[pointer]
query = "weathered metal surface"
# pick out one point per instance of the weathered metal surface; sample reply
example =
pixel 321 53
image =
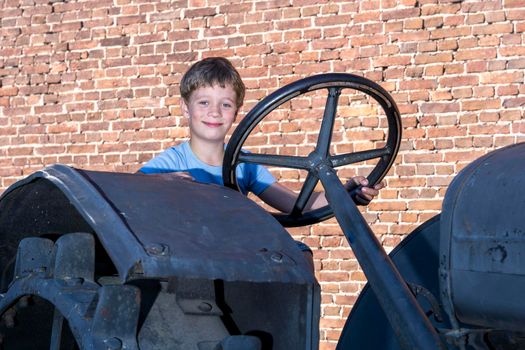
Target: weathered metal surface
pixel 33 209
pixel 240 279
pixel 483 241
pixel 178 314
pixel 416 258
pixel 62 276
pixel 153 227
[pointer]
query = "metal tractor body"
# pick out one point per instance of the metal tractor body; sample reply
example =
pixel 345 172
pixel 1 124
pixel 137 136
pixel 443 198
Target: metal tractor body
pixel 134 261
pixel 466 266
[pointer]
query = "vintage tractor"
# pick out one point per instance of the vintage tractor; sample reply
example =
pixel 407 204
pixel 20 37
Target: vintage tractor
pixel 100 260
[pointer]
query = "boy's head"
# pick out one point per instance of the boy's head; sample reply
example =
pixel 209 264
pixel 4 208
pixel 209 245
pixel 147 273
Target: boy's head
pixel 209 72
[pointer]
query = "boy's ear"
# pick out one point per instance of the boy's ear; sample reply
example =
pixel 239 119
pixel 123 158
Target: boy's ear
pixel 237 111
pixel 184 108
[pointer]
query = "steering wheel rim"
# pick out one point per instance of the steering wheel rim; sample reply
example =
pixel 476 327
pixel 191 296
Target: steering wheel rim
pixel 334 83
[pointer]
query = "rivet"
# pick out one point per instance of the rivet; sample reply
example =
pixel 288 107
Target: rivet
pixel 157 249
pixel 205 307
pixel 113 343
pixel 277 257
pixel 40 270
pixel 23 301
pixel 9 318
pixel 73 281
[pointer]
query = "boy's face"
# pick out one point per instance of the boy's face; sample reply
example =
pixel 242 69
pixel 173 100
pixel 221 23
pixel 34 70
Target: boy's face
pixel 211 111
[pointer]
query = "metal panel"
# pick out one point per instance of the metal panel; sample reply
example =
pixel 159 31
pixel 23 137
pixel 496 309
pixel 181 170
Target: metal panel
pixel 153 227
pixel 483 241
pixel 230 271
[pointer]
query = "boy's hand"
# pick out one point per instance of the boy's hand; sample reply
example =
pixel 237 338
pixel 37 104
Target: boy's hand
pixel 179 174
pixel 365 194
pixel 185 175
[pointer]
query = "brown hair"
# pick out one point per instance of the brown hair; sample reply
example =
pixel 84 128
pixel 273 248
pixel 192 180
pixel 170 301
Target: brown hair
pixel 211 71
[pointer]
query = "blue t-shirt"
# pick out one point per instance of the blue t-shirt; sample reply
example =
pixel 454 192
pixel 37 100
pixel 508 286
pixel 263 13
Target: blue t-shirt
pixel 250 177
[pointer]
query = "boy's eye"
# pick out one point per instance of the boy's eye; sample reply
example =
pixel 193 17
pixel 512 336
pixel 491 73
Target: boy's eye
pixel 204 103
pixel 227 105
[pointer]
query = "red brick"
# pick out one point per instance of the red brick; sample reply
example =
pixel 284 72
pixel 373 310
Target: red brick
pixel 501 77
pixel 400 14
pixel 476 66
pixel 126 20
pixel 367 40
pixel 476 54
pixel 466 80
pixel 417 84
pixel 440 107
pixel 484 104
pixel 120 41
pixel 292 24
pixel 391 61
pixel 450 33
pixel 265 5
pixel 423 205
pixel 8 91
pixel 150 59
pixel 514 102
pixel 512 51
pixel 483 91
pixel 411 37
pixel 391 206
pixel 433 58
pixel 493 28
pixel 333 20
pixel 20 151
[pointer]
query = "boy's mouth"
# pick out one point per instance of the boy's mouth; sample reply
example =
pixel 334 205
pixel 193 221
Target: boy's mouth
pixel 212 125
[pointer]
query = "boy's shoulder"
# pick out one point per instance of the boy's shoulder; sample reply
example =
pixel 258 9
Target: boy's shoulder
pixel 180 152
pixel 181 149
pixel 171 159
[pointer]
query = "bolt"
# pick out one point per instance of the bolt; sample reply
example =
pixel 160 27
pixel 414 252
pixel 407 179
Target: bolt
pixel 73 281
pixel 24 301
pixel 277 257
pixel 205 307
pixel 113 343
pixel 40 270
pixel 157 249
pixel 9 318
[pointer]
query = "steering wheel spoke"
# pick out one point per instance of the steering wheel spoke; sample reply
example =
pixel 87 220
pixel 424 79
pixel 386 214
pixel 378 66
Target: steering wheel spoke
pixel 305 194
pixel 294 162
pixel 327 125
pixel 361 156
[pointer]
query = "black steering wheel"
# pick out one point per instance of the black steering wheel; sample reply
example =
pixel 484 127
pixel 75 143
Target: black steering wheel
pixel 334 83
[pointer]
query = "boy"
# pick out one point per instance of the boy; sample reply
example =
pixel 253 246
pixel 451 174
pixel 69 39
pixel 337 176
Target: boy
pixel 212 93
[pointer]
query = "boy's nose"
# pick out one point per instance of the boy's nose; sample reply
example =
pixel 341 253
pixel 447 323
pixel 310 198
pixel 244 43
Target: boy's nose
pixel 213 111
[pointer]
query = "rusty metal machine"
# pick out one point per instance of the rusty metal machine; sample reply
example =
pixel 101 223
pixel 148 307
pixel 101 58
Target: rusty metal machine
pixel 122 261
pixel 99 260
pixel 465 266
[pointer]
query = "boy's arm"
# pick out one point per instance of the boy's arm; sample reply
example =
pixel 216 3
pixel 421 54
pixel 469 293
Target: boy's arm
pixel 283 199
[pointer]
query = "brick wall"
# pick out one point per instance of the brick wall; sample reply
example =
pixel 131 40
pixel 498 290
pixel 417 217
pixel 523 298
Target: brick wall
pixel 94 84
